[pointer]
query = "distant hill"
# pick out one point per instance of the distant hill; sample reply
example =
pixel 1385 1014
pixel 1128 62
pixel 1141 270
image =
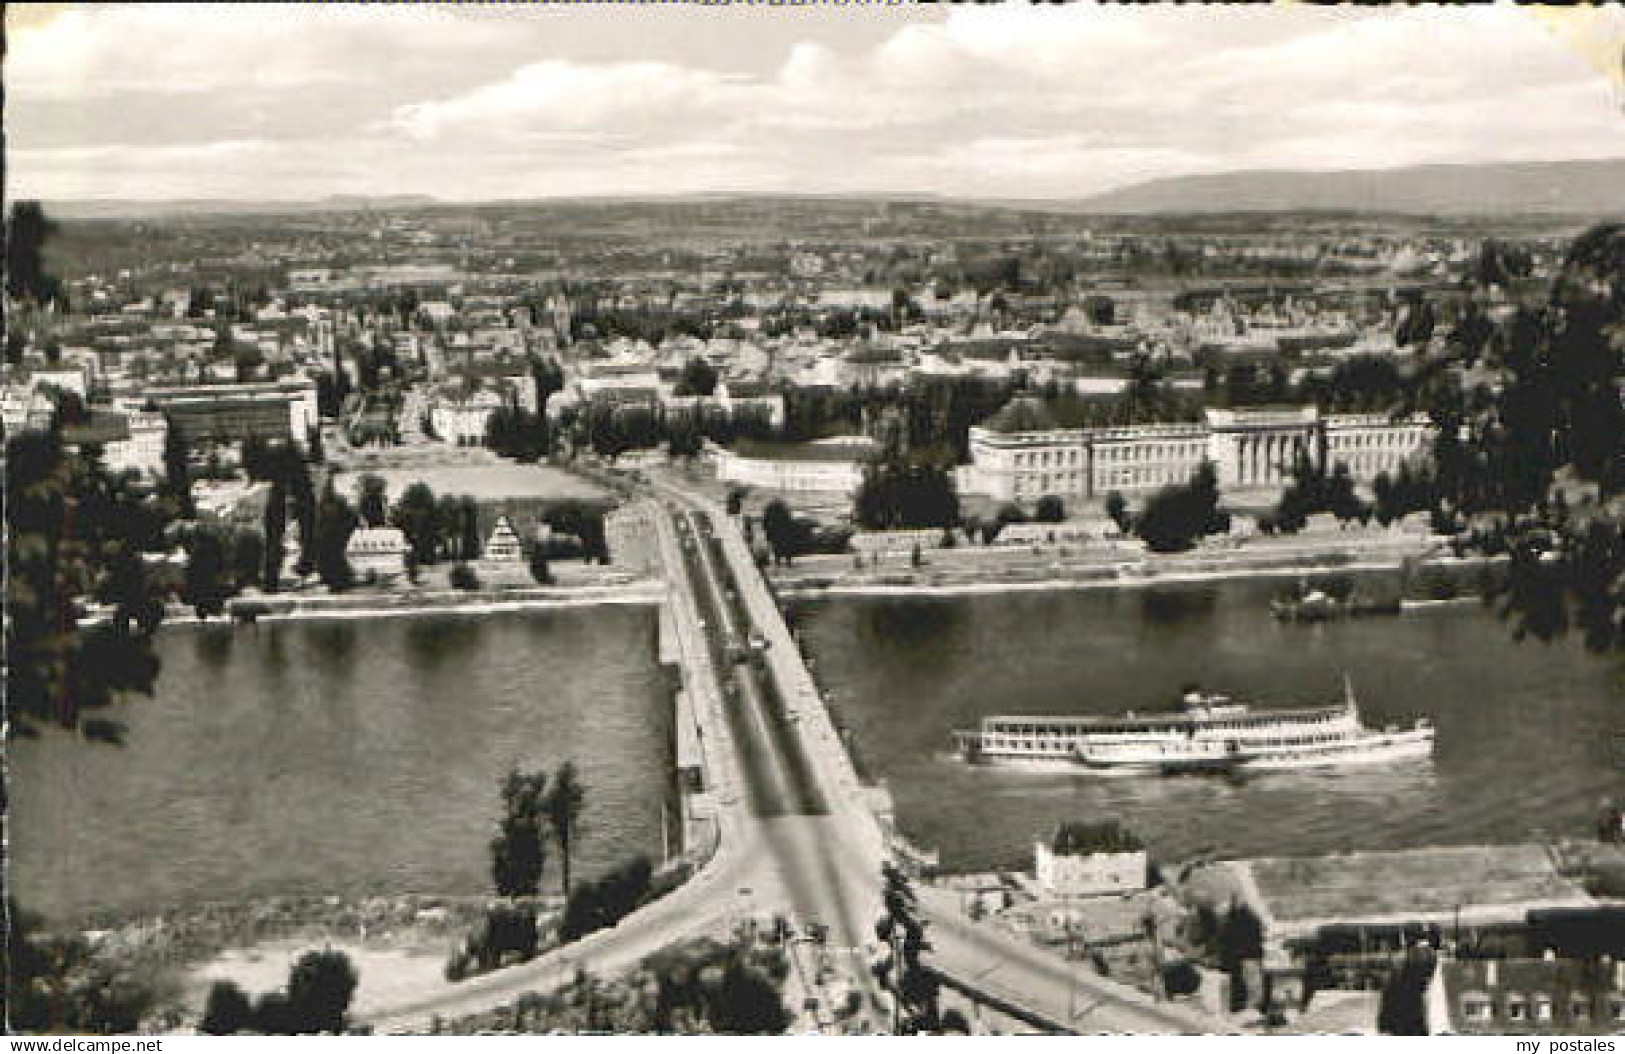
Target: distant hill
pixel 1570 187
pixel 1545 188
pixel 116 208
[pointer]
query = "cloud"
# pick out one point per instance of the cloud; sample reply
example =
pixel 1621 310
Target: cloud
pixel 1032 100
pixel 565 97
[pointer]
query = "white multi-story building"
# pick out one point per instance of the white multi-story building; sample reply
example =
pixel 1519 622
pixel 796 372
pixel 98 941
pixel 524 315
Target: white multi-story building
pixel 1086 860
pixel 1021 455
pixel 827 466
pixel 142 448
pixel 378 551
pixel 462 422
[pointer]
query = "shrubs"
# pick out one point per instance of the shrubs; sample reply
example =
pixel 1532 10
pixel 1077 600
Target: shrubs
pixel 55 984
pixel 320 986
pixel 463 577
pixel 316 999
pixel 1181 978
pixel 597 905
pixel 538 566
pixel 509 933
pixel 227 1010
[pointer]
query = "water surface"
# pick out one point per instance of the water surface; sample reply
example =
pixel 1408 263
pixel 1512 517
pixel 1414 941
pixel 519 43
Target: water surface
pixel 1531 737
pixel 348 756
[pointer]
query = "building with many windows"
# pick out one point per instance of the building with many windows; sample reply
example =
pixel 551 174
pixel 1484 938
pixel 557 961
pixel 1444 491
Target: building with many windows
pixel 232 413
pixel 1087 860
pixel 1022 454
pixel 1547 996
pixel 833 466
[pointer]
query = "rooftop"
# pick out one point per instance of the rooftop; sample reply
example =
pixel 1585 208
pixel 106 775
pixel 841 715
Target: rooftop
pixel 1413 884
pixel 843 448
pixel 102 427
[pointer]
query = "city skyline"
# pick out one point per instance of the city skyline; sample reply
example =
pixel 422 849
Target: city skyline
pixel 485 104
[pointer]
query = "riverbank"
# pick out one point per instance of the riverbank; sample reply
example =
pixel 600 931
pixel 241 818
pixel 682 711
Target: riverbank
pixel 387 605
pixel 393 941
pixel 962 581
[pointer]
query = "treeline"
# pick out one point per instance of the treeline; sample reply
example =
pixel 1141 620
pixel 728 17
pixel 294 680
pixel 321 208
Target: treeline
pixel 1529 462
pixel 898 493
pixel 610 431
pixel 77 533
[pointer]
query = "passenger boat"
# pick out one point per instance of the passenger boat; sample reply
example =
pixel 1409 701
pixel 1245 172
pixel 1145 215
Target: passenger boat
pixel 1209 734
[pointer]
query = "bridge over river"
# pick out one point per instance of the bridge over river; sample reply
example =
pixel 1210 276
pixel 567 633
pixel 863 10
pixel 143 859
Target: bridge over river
pixel 792 829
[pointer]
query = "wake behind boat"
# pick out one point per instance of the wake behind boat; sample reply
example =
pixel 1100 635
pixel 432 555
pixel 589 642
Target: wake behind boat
pixel 1210 734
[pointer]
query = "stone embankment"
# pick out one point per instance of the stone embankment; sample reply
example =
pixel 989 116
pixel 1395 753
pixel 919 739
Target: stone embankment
pixel 1061 567
pixel 379 605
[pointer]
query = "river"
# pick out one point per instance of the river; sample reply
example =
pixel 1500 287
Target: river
pixel 1531 737
pixel 343 757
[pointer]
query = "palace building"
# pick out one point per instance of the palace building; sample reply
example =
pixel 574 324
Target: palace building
pixel 1022 454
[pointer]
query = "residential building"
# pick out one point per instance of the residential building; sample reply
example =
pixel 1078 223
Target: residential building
pixel 462 421
pixel 142 447
pixel 1087 860
pixel 1546 996
pixel 377 551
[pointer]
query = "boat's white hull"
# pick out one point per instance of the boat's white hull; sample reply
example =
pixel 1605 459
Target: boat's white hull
pixel 1372 748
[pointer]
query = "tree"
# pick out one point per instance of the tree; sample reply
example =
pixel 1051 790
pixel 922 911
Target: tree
pixel 1117 510
pixel 276 524
pixel 1050 510
pixel 320 986
pixel 1508 459
pixel 519 850
pixel 914 988
pixel 75 532
pixel 335 522
pixel 1240 939
pixel 748 1003
pixel 1176 516
pixel 898 494
pixel 178 469
pixel 246 364
pixel 683 438
pixel 227 1011
pixel 372 500
pixel 27 231
pixel 247 561
pixel 562 805
pixel 699 377
pixel 463 577
pixel 779 527
pixel 56 984
pixel 597 905
pixel 418 517
pixel 539 569
pixel 207 583
pixel 468 517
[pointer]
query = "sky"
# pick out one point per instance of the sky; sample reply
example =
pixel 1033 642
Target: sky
pixel 481 102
